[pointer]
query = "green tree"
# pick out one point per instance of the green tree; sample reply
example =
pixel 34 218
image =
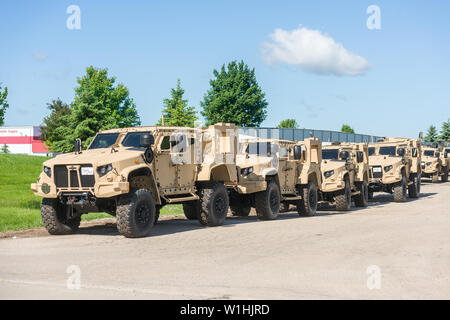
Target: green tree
pixel 346 128
pixel 288 123
pixel 445 131
pixel 4 149
pixel 176 111
pixel 234 96
pixel 3 104
pixel 432 134
pixel 57 126
pixel 99 104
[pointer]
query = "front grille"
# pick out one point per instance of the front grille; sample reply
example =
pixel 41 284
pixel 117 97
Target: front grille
pixel 62 174
pixel 377 173
pixel 61 177
pixel 87 181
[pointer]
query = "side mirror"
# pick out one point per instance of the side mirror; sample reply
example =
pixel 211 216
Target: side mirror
pixel 77 145
pixel 344 155
pixel 437 154
pixel 146 140
pixel 414 152
pixel 401 152
pixel 297 152
pixel 359 156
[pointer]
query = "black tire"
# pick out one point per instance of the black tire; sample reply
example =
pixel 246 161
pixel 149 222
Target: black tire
pixel 414 189
pixel 435 178
pixel 214 205
pixel 362 199
pixel 370 195
pixel 400 190
pixel 307 206
pixel 191 210
pixel 284 207
pixel 240 211
pixel 344 198
pixel 444 177
pixel 53 217
pixel 267 203
pixel 136 213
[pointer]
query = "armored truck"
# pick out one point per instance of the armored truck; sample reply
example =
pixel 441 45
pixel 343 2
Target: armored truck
pixel 433 165
pixel 345 175
pixel 395 167
pixel 286 173
pixel 131 173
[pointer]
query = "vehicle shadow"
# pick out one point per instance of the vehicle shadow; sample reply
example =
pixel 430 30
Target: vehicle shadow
pixel 181 224
pixel 172 225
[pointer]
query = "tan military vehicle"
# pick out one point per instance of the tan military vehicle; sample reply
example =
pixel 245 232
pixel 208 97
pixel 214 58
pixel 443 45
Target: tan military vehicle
pixel 131 173
pixel 345 175
pixel 433 165
pixel 395 167
pixel 277 172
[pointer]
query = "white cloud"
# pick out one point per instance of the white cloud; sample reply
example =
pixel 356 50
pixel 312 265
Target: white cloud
pixel 314 52
pixel 40 56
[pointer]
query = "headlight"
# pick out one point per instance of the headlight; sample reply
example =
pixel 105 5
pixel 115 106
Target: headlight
pixel 428 163
pixel 104 170
pixel 328 174
pixel 48 171
pixel 246 171
pixel 387 168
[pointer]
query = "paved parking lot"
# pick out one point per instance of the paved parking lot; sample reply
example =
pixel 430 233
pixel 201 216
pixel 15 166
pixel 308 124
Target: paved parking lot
pixel 400 250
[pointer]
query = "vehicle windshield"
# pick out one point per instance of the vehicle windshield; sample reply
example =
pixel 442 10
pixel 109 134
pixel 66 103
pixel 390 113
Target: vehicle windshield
pixel 259 148
pixel 133 139
pixel 104 140
pixel 428 153
pixel 387 151
pixel 371 151
pixel 329 154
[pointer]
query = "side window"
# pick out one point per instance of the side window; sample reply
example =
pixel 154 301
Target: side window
pixel 178 143
pixel 283 152
pixel 165 143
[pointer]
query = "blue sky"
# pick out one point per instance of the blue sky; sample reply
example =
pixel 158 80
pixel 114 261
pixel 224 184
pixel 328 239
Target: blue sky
pixel 147 45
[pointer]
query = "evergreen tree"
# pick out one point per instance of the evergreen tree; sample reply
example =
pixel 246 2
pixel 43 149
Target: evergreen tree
pixel 176 111
pixel 445 131
pixel 235 97
pixel 432 134
pixel 5 148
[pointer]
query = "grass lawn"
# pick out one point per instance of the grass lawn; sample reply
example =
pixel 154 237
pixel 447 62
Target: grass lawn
pixel 19 207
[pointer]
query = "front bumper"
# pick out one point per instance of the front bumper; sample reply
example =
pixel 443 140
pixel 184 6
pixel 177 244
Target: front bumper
pixel 332 186
pixel 100 190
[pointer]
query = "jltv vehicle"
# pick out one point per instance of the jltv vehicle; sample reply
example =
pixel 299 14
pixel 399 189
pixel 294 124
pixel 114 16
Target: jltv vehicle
pixel 433 165
pixel 395 167
pixel 345 175
pixel 131 173
pixel 289 173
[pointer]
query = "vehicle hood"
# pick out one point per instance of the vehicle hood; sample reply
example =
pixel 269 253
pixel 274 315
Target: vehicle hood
pixel 96 157
pixel 429 159
pixel 328 165
pixel 384 160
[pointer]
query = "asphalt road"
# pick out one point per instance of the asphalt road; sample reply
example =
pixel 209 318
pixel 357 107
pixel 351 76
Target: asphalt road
pixel 387 251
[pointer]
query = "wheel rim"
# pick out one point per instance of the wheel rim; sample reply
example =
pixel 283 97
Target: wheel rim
pixel 219 205
pixel 142 215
